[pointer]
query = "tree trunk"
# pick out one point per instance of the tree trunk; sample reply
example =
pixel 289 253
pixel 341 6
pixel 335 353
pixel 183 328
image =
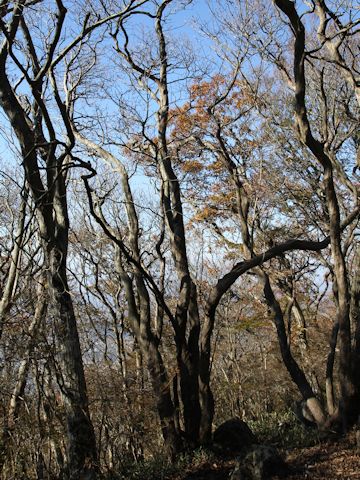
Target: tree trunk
pixel 355 322
pixel 188 361
pixel 205 394
pixel 165 406
pixel 11 280
pixel 81 444
pixel 329 382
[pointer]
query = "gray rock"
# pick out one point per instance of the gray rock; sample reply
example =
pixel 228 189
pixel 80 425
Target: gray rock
pixel 233 436
pixel 260 462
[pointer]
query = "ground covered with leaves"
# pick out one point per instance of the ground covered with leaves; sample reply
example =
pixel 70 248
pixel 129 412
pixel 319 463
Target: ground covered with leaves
pixel 331 459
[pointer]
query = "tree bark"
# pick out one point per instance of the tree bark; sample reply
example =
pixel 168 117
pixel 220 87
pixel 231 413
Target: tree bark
pixel 147 342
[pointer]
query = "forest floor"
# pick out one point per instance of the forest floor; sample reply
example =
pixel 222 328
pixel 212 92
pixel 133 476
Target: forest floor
pixel 329 460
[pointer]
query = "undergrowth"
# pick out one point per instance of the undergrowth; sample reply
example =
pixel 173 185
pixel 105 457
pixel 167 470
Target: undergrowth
pixel 159 468
pixel 278 429
pixel 284 430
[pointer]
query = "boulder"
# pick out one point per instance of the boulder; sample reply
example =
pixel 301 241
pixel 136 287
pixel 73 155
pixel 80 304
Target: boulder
pixel 233 435
pixel 260 462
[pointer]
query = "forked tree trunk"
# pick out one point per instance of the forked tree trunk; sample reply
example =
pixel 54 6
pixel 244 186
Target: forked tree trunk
pixel 187 319
pixel 149 348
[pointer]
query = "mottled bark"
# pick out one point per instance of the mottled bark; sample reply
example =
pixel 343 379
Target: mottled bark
pixel 149 348
pixel 187 314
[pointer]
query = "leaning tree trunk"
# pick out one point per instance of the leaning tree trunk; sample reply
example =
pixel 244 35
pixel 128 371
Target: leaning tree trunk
pixel 139 319
pixel 186 322
pixel 294 370
pixel 138 299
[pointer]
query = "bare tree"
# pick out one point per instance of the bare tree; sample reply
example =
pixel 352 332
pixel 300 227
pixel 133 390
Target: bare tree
pixel 347 412
pixel 46 159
